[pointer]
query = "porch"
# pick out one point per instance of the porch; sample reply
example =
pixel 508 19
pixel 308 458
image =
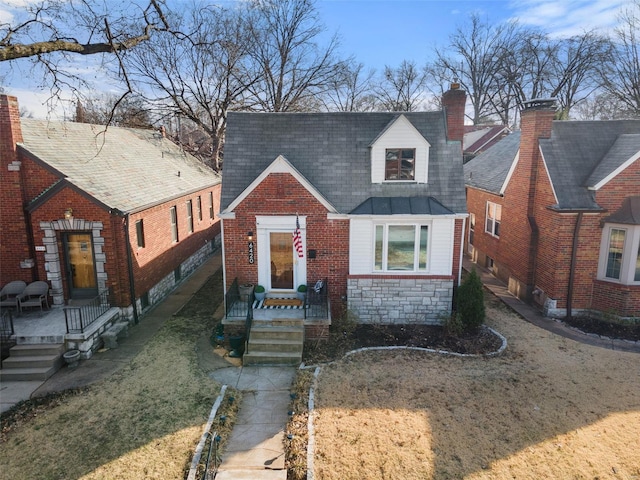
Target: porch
pixel 75 326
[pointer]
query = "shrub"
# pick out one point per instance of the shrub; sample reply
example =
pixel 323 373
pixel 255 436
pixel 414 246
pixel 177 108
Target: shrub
pixel 259 289
pixel 453 324
pixel 470 302
pixel 302 288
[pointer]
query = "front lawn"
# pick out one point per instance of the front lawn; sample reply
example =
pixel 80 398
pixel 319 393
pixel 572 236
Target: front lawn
pixel 548 408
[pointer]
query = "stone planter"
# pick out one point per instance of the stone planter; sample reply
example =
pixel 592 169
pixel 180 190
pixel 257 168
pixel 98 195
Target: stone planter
pixel 72 358
pixel 245 290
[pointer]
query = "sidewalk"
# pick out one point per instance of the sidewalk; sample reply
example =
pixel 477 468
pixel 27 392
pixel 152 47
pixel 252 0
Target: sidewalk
pixel 532 315
pixel 103 364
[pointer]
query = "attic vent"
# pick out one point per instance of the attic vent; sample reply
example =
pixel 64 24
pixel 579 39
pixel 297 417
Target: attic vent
pixel 540 104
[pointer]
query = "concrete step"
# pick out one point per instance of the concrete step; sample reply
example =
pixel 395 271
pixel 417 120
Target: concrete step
pixel 35 361
pixel 279 322
pixel 277 333
pixel 271 345
pixel 37 349
pixel 26 374
pixel 271 358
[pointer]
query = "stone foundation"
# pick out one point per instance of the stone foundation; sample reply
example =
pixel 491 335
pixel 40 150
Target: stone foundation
pixel 382 300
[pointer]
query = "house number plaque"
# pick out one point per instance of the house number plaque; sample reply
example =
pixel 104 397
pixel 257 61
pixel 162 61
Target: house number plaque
pixel 251 255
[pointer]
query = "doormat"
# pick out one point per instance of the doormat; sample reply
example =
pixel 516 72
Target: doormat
pixel 282 302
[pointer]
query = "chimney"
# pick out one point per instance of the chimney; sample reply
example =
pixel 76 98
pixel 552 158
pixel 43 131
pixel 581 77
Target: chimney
pixel 453 103
pixel 537 117
pixel 13 230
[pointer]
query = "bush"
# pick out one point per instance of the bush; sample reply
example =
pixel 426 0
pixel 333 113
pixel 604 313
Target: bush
pixel 453 324
pixel 470 302
pixel 259 289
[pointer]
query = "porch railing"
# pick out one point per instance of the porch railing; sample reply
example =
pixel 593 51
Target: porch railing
pixel 79 318
pixel 6 334
pixel 317 303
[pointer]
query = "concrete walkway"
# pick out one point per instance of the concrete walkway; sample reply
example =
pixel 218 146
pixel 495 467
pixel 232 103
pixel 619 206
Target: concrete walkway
pixel 532 315
pixel 255 448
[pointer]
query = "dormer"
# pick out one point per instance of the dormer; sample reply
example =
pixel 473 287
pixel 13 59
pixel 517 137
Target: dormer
pixel 399 154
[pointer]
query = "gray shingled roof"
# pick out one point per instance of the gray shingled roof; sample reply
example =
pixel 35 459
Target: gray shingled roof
pixel 488 171
pixel 332 151
pixel 580 152
pixel 401 206
pixel 126 169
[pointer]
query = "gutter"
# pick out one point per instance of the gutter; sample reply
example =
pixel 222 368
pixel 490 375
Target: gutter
pixel 132 289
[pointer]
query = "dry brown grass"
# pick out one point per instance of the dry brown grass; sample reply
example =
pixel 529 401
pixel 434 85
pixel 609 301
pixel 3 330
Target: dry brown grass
pixel 548 408
pixel 141 423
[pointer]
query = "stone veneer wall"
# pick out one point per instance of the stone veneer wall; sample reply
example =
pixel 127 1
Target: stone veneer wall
pixel 400 300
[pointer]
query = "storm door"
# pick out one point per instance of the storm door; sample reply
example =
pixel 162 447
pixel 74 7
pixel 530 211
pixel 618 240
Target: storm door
pixel 281 258
pixel 81 270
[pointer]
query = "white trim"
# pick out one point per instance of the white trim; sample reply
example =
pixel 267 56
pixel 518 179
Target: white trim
pixel 266 224
pixel 279 165
pixel 615 173
pixel 464 222
pixel 512 168
pixel 553 188
pixel 227 215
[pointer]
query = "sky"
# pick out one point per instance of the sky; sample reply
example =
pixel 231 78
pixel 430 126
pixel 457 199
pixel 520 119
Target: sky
pixel 385 32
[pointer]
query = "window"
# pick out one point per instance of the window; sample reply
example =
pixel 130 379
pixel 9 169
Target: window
pixel 614 257
pixel 211 205
pixel 174 224
pixel 140 233
pixel 199 207
pixel 494 217
pixel 190 215
pixel 472 230
pixel 620 254
pixel 401 248
pixel 400 164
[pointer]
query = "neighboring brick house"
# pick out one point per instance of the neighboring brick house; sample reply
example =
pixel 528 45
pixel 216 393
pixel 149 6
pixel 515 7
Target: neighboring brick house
pixel 478 138
pixel 379 198
pixel 555 212
pixel 87 208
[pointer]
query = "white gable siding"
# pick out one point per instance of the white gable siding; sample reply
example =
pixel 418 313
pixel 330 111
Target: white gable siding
pixel 442 232
pixel 441 241
pixel 360 247
pixel 400 135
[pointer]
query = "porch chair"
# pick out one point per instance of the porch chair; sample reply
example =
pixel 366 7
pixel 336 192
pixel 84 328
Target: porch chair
pixel 9 293
pixel 34 296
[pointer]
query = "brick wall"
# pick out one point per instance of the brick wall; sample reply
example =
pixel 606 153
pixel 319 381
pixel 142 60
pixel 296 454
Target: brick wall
pixel 453 102
pixel 281 194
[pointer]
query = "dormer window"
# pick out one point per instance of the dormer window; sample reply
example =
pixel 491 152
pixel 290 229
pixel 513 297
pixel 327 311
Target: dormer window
pixel 400 164
pixel 400 154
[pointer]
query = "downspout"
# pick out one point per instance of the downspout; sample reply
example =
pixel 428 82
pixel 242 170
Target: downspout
pixel 572 266
pixel 132 289
pixel 464 224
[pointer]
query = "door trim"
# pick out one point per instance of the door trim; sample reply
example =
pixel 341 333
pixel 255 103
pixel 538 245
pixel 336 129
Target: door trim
pixel 282 223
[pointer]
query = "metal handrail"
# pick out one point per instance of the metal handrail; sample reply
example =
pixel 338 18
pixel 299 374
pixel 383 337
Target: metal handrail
pixel 316 304
pixel 78 318
pixel 6 333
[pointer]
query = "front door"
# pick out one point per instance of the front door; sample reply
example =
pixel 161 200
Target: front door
pixel 281 260
pixel 81 271
pixel 280 268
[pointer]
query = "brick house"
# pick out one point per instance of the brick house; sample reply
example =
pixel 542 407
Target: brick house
pixel 379 198
pixel 88 209
pixel 555 212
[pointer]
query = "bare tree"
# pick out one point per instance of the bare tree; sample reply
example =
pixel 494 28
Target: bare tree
pixel 294 67
pixel 351 89
pixel 473 58
pixel 401 89
pixel 50 33
pixel 621 76
pixel 202 74
pixel 132 112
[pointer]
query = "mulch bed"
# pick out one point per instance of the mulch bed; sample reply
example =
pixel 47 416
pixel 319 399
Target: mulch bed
pixel 605 328
pixel 426 336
